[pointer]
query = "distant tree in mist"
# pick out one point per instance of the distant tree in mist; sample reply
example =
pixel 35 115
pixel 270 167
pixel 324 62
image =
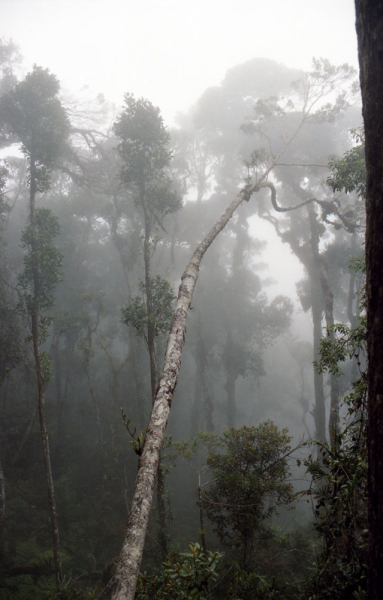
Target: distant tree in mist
pixel 33 113
pixel 143 148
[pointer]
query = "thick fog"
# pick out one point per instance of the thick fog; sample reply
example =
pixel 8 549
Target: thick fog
pixel 172 51
pixel 126 130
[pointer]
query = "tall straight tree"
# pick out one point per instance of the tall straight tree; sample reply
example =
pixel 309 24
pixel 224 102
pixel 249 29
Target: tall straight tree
pixel 369 26
pixel 33 113
pixel 144 151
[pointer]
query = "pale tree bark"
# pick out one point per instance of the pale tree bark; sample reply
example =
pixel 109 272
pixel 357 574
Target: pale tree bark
pixel 369 26
pixel 131 554
pixel 328 297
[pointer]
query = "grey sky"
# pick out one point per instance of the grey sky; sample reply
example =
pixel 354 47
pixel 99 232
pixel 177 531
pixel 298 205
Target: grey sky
pixel 170 51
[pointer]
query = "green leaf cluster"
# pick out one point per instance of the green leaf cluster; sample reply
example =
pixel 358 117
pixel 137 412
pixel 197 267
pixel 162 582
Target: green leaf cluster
pixel 135 314
pixel 349 172
pixel 339 479
pixel 250 481
pixel 42 257
pixel 143 148
pixel 185 576
pixel 33 113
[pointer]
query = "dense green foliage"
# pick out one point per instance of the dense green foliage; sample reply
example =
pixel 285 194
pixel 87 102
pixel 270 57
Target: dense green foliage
pixel 143 148
pixel 185 575
pixel 249 483
pixel 135 313
pixel 44 257
pixel 34 114
pixel 349 172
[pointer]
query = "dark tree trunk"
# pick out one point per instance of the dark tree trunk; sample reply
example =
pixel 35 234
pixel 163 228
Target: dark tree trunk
pixel 26 435
pixel 59 398
pixel 201 389
pixel 328 297
pixel 317 313
pixel 317 306
pixel 122 247
pixel 308 254
pixel 369 25
pixel 149 300
pixel 195 417
pixel 153 371
pixel 231 377
pixel 2 505
pixel 40 378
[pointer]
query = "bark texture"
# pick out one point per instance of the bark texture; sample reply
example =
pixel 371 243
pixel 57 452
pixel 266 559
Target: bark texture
pixel 2 505
pixel 369 25
pixel 131 554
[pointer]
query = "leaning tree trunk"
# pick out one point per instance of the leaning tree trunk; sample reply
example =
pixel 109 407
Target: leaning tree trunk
pixel 369 25
pixel 131 554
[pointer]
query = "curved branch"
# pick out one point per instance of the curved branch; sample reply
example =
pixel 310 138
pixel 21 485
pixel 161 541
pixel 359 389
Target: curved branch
pixel 273 198
pixel 301 165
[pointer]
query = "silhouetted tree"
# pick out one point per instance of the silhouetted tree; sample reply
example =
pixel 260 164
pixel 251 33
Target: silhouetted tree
pixel 33 113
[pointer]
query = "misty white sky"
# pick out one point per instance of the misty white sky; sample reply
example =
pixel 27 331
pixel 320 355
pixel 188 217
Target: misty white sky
pixel 170 51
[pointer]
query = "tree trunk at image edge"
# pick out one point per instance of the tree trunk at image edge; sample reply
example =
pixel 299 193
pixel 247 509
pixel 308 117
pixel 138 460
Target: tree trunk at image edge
pixel 369 25
pixel 41 386
pixel 2 505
